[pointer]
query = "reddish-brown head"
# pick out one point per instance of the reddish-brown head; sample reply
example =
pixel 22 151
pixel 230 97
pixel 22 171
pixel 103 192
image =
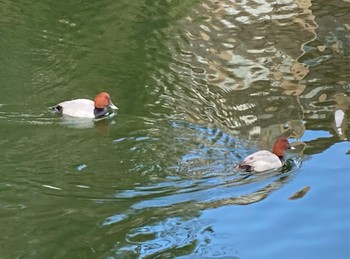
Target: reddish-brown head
pixel 102 100
pixel 280 146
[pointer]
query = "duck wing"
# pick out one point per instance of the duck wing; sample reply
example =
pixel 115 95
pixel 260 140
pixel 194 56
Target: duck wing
pixel 260 161
pixel 82 108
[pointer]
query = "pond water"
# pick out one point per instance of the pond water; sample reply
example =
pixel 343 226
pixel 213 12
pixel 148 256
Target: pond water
pixel 199 85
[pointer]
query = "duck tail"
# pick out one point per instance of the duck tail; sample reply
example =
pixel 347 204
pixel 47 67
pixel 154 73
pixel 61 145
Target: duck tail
pixel 56 109
pixel 244 168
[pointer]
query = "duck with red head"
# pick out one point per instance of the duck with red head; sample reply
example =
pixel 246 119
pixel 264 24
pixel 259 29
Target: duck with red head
pixel 85 108
pixel 265 160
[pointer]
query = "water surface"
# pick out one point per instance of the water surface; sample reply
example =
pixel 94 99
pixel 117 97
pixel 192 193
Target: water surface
pixel 200 85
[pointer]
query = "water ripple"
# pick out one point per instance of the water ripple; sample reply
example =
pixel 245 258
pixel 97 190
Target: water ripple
pixel 218 65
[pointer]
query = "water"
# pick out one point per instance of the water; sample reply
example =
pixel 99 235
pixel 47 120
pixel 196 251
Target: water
pixel 200 85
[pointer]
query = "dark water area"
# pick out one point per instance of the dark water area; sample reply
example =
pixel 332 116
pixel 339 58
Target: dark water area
pixel 199 86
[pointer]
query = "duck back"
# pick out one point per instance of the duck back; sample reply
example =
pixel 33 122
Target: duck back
pixel 260 161
pixel 82 108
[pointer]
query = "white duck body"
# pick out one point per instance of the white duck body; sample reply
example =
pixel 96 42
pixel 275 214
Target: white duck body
pixel 82 108
pixel 262 161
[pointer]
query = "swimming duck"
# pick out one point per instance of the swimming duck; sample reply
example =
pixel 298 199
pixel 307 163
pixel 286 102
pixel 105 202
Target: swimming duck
pixel 85 108
pixel 265 160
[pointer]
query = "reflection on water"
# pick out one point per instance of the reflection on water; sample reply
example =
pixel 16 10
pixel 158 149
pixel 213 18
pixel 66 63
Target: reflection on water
pixel 234 65
pixel 223 73
pixel 203 178
pixel 299 194
pixel 201 85
pixel 245 69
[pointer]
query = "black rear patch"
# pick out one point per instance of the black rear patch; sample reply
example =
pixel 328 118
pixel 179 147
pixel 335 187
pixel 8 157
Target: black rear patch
pixel 245 168
pixel 57 108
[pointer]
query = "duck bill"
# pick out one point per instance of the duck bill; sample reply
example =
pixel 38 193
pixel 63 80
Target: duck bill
pixel 113 106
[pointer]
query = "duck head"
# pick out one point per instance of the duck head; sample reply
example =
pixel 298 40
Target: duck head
pixel 102 101
pixel 280 146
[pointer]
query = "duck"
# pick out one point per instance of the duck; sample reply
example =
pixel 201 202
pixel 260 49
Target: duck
pixel 265 160
pixel 85 108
